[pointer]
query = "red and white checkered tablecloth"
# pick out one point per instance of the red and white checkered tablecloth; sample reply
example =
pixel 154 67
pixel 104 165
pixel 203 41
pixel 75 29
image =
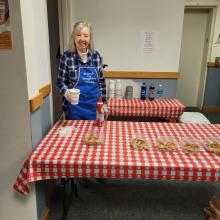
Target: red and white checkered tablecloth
pixel 165 108
pixel 57 157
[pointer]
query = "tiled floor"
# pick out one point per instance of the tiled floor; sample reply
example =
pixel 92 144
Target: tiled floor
pixel 137 200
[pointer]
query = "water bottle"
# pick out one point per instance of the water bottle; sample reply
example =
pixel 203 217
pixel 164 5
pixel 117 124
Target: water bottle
pixel 160 91
pixel 151 92
pixel 143 91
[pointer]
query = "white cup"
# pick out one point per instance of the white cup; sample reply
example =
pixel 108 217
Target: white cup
pixel 74 94
pixel 65 131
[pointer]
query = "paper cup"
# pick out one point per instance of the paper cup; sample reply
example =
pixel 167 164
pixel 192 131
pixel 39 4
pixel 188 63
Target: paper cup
pixel 65 131
pixel 74 93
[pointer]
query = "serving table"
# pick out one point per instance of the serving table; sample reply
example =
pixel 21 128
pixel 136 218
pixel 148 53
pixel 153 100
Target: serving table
pixel 168 108
pixel 63 157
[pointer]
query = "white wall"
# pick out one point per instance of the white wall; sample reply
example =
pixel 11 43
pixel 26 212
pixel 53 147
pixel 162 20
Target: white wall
pixel 215 49
pixel 36 44
pixel 117 26
pixel 15 132
pixel 108 19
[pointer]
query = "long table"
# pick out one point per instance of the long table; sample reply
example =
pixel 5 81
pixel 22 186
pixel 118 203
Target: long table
pixel 62 157
pixel 169 108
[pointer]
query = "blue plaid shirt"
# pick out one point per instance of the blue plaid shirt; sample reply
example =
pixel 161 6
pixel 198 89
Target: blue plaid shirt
pixel 68 73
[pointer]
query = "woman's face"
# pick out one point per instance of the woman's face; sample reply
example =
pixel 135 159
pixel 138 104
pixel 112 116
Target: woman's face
pixel 82 40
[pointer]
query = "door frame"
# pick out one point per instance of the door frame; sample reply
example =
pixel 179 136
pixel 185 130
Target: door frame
pixel 206 49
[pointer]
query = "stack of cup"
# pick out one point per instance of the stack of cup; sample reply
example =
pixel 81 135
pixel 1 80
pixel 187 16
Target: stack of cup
pixel 118 89
pixel 129 92
pixel 111 89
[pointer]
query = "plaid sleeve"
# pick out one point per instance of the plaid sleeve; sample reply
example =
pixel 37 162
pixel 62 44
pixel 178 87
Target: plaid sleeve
pixel 62 78
pixel 102 84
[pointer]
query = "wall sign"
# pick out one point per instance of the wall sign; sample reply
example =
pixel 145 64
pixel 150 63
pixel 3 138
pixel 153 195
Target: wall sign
pixel 149 41
pixel 5 28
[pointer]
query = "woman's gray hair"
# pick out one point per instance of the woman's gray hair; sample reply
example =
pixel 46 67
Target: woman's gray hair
pixel 76 29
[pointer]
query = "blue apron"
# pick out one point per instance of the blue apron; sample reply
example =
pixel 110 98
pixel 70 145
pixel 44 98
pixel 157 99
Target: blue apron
pixel 89 94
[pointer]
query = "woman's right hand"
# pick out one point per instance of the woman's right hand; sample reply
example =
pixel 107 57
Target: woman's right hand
pixel 68 96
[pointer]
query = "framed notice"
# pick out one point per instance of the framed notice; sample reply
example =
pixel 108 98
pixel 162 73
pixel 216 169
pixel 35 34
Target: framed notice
pixel 5 28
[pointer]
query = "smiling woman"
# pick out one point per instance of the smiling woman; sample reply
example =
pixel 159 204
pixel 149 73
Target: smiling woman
pixel 81 68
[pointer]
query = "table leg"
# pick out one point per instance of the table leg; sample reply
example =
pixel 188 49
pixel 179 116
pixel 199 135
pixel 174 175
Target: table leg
pixel 67 199
pixel 65 209
pixel 74 186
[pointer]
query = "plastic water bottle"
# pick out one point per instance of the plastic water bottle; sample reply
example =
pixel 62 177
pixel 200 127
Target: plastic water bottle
pixel 143 91
pixel 160 91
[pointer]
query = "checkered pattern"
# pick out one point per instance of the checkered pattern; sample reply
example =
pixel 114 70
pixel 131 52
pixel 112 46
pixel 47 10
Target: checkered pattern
pixel 57 157
pixel 165 108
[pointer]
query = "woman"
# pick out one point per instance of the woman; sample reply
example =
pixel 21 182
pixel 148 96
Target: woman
pixel 81 68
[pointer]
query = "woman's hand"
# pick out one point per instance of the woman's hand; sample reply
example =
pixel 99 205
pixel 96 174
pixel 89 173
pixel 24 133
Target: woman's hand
pixel 68 96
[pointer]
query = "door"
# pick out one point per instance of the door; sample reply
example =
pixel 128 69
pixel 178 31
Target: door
pixel 193 51
pixel 53 27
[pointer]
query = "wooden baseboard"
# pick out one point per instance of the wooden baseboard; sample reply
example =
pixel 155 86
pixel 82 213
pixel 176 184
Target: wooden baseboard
pixel 46 214
pixel 210 109
pixel 213 64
